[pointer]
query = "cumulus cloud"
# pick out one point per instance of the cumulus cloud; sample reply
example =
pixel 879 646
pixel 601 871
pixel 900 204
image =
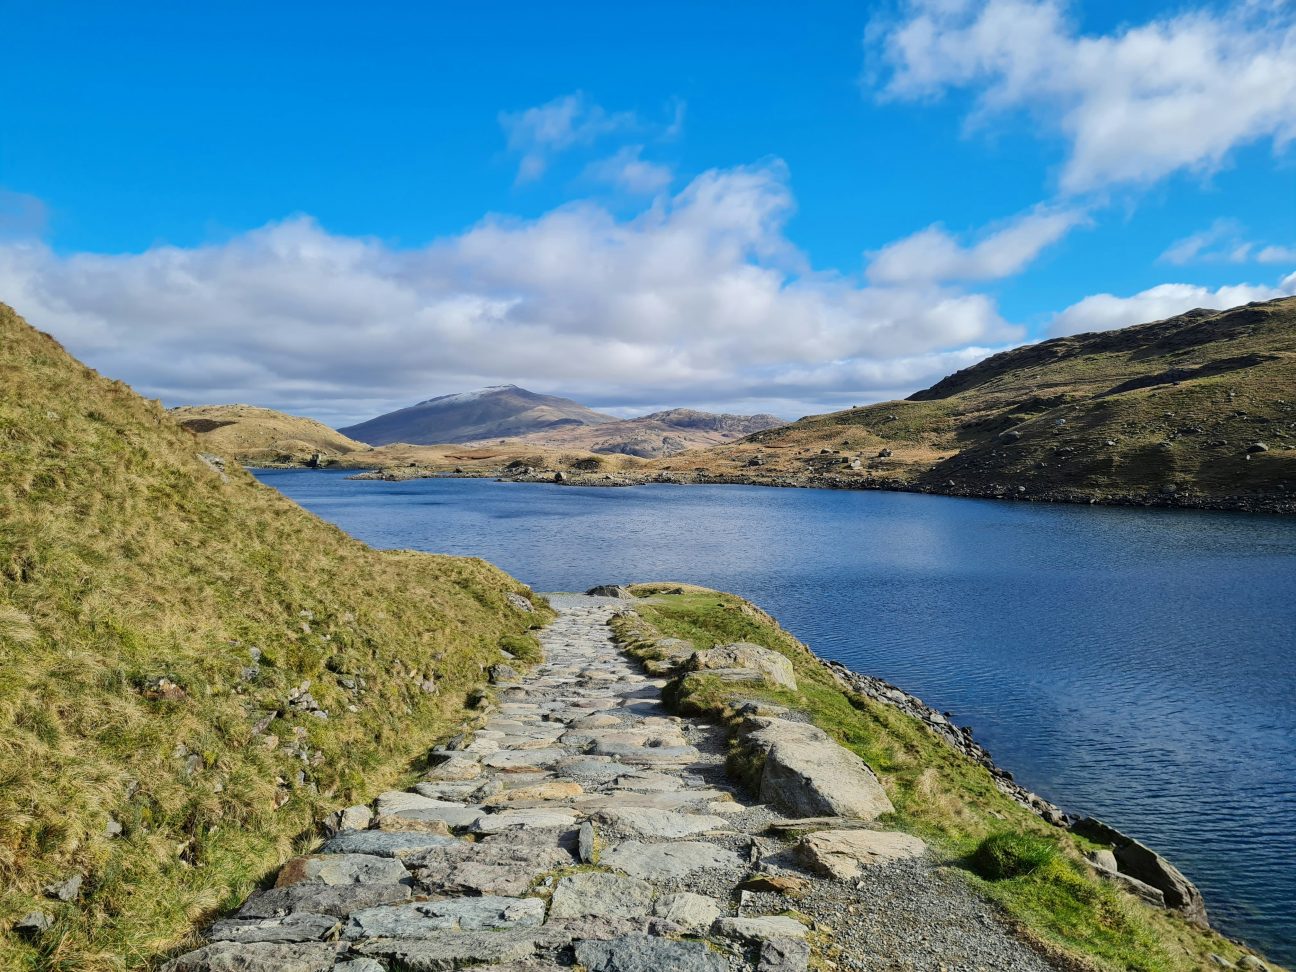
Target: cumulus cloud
pixel 1178 92
pixel 1103 312
pixel 628 171
pixel 698 298
pixel 933 254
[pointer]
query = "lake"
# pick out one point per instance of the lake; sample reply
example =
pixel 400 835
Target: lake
pixel 1136 665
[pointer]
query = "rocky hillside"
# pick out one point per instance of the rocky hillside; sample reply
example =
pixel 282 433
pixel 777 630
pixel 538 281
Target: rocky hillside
pixel 192 668
pixel 652 436
pixel 1196 410
pixel 500 412
pixel 262 436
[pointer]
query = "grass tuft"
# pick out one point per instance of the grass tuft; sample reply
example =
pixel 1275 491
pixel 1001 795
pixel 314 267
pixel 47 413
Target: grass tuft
pixel 1010 854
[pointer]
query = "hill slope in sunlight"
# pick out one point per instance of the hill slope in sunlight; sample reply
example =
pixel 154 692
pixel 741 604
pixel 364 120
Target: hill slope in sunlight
pixel 191 666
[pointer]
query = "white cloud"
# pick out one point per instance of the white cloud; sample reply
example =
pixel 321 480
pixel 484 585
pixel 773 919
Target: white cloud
pixel 628 171
pixel 1178 92
pixel 698 298
pixel 1103 312
pixel 933 254
pixel 1276 254
pixel 539 133
pixel 1224 242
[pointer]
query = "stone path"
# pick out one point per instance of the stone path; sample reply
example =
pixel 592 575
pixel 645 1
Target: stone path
pixel 583 824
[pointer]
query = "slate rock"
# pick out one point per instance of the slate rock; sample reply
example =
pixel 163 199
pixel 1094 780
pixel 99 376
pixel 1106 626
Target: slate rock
pixel 424 918
pixel 658 862
pixel 256 957
pixel 601 895
pixel 381 843
pixel 322 899
pixel 694 913
pixel 300 926
pixel 338 869
pixel 783 955
pixel 666 824
pixel 844 854
pixel 454 950
pixel 771 666
pixel 349 818
pixel 640 953
pixel 758 929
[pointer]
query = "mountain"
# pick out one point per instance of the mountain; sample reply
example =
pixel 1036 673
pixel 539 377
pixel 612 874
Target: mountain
pixel 192 667
pixel 1195 410
pixel 262 436
pixel 655 435
pixel 499 412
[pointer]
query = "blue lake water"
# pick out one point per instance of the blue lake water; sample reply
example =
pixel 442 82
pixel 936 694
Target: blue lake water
pixel 1136 665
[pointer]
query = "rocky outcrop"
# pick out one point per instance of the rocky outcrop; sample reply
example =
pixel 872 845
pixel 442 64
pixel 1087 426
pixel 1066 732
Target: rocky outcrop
pixel 769 666
pixel 844 854
pixel 1140 865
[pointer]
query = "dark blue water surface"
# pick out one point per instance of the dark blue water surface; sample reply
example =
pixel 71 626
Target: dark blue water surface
pixel 1136 665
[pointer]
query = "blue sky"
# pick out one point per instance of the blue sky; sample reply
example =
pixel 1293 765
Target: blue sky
pixel 338 209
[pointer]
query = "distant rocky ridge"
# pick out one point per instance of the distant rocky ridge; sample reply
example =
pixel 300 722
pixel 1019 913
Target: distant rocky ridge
pixel 656 435
pixel 498 412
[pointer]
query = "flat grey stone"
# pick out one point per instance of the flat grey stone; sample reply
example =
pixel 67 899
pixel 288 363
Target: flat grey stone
pixel 428 918
pixel 341 869
pixel 692 912
pixel 494 823
pixel 784 955
pixel 659 862
pixel 666 824
pixel 382 843
pixel 759 929
pixel 595 894
pixel 256 957
pixel 300 926
pixel 321 899
pixel 453 950
pixel 639 953
pixel 504 865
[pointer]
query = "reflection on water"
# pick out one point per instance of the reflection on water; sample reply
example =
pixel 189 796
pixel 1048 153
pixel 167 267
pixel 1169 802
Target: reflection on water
pixel 1137 665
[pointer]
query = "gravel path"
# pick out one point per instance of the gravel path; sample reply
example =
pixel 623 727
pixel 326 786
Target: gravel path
pixel 583 824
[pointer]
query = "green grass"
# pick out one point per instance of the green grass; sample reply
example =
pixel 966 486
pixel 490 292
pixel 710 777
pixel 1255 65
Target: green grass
pixel 1034 871
pixel 125 559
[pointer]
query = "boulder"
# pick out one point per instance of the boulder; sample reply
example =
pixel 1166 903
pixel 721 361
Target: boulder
pixel 807 774
pixel 843 854
pixel 1146 866
pixel 610 590
pixel 775 668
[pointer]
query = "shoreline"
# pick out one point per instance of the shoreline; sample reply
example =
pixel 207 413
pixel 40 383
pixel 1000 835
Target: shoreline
pixel 1176 501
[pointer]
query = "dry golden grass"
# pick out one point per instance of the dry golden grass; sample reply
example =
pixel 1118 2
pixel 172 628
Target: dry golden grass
pixel 126 559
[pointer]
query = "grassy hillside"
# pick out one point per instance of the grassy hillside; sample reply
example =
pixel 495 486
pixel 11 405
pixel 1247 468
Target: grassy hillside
pixel 262 436
pixel 1171 412
pixel 1053 896
pixel 158 620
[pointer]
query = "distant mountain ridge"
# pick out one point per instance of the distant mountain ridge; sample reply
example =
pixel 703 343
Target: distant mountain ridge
pixel 497 412
pixel 657 435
